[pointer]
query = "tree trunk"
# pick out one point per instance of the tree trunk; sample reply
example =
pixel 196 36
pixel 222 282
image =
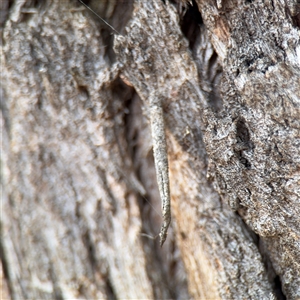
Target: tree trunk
pixel 80 201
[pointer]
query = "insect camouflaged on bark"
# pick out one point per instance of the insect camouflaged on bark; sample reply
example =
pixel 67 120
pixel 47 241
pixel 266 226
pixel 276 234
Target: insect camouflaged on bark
pixel 159 151
pixel 161 161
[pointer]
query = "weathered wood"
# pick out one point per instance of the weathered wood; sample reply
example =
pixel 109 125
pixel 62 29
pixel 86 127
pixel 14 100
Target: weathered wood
pixel 253 144
pixel 79 184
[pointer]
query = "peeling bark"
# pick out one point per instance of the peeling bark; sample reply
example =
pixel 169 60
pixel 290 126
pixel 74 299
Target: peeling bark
pixel 80 197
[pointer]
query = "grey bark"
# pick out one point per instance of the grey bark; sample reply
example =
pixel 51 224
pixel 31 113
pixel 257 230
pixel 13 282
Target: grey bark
pixel 79 191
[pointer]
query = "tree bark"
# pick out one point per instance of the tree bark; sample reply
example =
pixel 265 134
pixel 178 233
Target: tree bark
pixel 80 200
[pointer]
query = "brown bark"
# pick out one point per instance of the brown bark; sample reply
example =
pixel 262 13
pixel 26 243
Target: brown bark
pixel 80 196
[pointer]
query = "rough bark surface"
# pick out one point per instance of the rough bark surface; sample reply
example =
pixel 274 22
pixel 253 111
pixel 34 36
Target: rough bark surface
pixel 79 191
